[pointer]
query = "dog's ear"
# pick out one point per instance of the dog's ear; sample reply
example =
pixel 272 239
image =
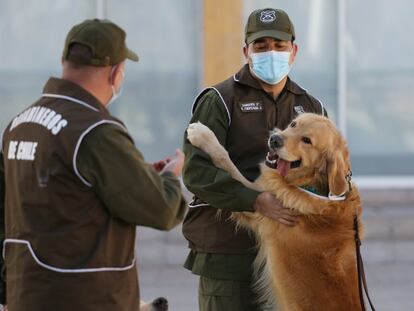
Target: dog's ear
pixel 337 168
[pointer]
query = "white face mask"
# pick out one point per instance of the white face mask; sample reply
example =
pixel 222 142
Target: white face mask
pixel 115 94
pixel 271 67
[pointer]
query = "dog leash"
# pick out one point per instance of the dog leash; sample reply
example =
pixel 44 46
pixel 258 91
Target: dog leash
pixel 362 281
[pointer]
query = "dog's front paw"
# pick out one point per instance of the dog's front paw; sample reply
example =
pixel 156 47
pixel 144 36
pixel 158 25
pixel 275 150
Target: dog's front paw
pixel 199 135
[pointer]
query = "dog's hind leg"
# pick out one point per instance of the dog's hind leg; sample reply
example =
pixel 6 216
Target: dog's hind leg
pixel 202 137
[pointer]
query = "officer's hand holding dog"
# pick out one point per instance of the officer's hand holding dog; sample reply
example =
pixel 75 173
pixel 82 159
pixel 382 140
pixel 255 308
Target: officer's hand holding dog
pixel 267 205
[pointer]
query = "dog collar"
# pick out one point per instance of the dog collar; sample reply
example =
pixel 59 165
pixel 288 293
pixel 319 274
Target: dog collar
pixel 310 189
pixel 330 197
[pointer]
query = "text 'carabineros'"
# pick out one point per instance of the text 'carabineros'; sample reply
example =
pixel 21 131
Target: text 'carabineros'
pixel 43 116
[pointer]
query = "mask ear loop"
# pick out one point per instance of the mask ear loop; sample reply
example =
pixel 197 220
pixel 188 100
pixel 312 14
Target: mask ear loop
pixel 112 79
pixel 115 94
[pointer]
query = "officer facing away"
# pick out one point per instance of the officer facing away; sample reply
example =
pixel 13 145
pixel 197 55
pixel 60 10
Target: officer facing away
pixel 240 111
pixel 73 186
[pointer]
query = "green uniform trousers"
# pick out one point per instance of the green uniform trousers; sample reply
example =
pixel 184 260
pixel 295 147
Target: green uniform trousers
pixel 226 295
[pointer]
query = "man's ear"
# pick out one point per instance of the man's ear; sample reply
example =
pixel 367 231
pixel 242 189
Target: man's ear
pixel 295 48
pixel 246 51
pixel 294 52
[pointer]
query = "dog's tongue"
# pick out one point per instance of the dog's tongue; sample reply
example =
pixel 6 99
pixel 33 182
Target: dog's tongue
pixel 283 167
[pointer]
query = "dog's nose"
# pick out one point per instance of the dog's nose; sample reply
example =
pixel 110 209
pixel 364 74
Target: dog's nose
pixel 275 141
pixel 161 304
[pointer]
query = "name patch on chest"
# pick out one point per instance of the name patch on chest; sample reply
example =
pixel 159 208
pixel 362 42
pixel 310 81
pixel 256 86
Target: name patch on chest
pixel 251 107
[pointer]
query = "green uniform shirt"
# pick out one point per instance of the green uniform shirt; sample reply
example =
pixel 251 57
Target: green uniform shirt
pixel 129 188
pixel 243 133
pixel 210 183
pixel 221 190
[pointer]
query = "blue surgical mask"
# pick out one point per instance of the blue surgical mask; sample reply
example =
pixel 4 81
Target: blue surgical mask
pixel 271 67
pixel 115 94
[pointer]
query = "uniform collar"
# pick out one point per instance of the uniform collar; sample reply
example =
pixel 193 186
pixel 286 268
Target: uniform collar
pixel 70 89
pixel 245 77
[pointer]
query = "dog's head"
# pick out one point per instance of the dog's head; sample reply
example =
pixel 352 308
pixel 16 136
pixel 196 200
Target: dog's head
pixel 311 150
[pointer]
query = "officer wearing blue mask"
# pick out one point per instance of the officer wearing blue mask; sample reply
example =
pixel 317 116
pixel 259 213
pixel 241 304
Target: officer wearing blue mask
pixel 270 48
pixel 241 111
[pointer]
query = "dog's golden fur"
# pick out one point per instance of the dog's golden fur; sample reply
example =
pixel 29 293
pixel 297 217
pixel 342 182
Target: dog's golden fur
pixel 311 266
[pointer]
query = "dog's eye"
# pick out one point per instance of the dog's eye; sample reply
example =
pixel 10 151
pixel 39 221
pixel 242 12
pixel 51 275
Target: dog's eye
pixel 293 124
pixel 307 140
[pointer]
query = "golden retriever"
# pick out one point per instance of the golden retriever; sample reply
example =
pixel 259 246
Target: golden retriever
pixel 310 266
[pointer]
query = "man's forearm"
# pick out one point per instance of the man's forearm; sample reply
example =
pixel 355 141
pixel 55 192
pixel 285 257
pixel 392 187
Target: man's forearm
pixel 215 186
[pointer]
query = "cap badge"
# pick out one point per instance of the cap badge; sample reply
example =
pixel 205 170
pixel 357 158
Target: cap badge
pixel 268 16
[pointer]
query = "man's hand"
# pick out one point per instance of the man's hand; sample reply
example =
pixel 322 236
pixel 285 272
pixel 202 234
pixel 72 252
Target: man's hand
pixel 173 165
pixel 159 165
pixel 267 205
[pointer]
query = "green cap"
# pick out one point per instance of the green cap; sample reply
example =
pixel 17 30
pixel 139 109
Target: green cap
pixel 105 39
pixel 269 22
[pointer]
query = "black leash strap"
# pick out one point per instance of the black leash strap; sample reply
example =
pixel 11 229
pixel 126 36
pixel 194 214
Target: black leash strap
pixel 362 282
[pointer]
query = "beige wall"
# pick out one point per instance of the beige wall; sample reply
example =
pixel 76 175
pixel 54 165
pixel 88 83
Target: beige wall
pixel 223 39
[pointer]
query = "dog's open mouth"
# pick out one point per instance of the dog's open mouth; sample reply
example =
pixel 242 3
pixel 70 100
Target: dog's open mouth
pixel 283 166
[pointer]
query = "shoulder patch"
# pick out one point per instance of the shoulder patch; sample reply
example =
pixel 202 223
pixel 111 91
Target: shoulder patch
pixel 299 109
